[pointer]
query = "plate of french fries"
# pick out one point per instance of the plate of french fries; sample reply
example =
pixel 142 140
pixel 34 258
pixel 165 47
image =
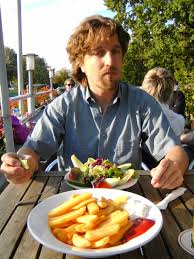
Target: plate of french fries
pixel 94 223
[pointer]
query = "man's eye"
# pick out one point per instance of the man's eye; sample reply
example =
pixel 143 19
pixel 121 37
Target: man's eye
pixel 97 52
pixel 116 51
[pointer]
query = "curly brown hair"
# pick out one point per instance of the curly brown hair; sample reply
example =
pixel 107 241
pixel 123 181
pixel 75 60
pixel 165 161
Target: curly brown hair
pixel 86 35
pixel 159 83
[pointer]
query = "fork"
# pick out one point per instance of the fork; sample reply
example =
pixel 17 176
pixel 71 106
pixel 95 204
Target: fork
pixel 162 205
pixel 28 202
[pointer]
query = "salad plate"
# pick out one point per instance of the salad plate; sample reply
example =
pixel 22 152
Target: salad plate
pixel 38 224
pixel 100 173
pixel 124 186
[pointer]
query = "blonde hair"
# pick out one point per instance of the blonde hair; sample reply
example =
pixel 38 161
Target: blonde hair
pixel 86 35
pixel 159 83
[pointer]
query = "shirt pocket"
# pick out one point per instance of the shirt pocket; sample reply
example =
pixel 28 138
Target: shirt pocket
pixel 127 151
pixel 82 151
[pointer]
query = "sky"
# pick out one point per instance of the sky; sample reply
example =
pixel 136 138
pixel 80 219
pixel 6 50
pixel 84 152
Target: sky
pixel 46 26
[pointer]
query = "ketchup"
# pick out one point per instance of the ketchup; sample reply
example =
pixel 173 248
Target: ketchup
pixel 140 226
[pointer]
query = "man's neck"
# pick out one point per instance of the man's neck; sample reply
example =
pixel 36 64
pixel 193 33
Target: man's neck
pixel 104 97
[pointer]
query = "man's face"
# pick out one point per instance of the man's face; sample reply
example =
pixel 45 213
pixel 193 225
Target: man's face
pixel 68 85
pixel 102 65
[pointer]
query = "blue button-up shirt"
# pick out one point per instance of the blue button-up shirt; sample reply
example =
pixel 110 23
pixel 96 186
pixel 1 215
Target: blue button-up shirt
pixel 74 124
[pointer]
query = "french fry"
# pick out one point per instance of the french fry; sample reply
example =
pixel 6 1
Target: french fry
pixel 69 241
pixel 85 222
pixel 93 208
pixel 80 241
pixel 109 209
pixel 58 221
pixel 72 228
pixel 101 232
pixel 116 217
pixel 67 205
pixel 120 200
pixel 103 199
pixel 82 228
pixel 102 204
pixel 63 225
pixel 100 219
pixel 60 234
pixel 124 223
pixel 86 218
pixel 83 203
pixel 117 237
pixel 74 195
pixel 100 243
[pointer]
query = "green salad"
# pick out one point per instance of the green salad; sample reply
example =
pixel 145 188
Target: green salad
pixel 100 173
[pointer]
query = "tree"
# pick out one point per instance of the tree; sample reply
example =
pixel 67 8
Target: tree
pixel 11 63
pixel 41 74
pixel 162 35
pixel 61 76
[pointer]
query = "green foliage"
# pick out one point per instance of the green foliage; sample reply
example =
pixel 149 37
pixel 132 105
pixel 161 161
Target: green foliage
pixel 40 74
pixel 61 76
pixel 11 63
pixel 161 36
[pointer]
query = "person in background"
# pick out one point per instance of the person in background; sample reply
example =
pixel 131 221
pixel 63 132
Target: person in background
pixel 69 83
pixel 177 101
pixel 103 116
pixel 187 140
pixel 159 83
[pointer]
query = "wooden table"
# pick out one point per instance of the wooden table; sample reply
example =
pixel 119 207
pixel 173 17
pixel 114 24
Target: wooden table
pixel 16 241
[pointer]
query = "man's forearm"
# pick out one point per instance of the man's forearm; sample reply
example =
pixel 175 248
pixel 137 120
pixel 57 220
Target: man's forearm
pixel 35 157
pixel 178 155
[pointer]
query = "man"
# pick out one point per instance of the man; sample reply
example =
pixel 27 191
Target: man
pixel 69 83
pixel 160 83
pixel 177 102
pixel 102 117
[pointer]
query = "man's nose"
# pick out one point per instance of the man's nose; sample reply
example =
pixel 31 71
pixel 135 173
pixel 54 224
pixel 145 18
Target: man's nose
pixel 108 58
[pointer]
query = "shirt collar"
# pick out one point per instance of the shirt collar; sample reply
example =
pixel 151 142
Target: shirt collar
pixel 89 98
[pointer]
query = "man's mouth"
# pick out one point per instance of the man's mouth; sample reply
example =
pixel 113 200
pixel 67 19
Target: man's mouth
pixel 111 72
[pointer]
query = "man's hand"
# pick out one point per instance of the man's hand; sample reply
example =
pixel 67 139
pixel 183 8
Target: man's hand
pixel 167 175
pixel 12 167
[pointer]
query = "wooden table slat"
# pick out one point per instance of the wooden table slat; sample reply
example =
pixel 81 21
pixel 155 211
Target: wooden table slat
pixel 16 241
pixel 27 240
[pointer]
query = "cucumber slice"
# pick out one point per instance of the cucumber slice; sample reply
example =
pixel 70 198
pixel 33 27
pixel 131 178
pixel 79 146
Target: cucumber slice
pixel 76 162
pixel 125 166
pixel 24 164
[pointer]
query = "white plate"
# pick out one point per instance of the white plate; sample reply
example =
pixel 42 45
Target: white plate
pixel 184 240
pixel 38 224
pixel 126 185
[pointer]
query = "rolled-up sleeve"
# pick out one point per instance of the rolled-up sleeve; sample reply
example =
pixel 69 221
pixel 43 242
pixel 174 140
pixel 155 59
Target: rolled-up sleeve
pixel 49 130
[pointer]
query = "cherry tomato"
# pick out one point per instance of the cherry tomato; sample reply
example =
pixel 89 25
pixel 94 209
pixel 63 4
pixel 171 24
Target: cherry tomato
pixel 102 184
